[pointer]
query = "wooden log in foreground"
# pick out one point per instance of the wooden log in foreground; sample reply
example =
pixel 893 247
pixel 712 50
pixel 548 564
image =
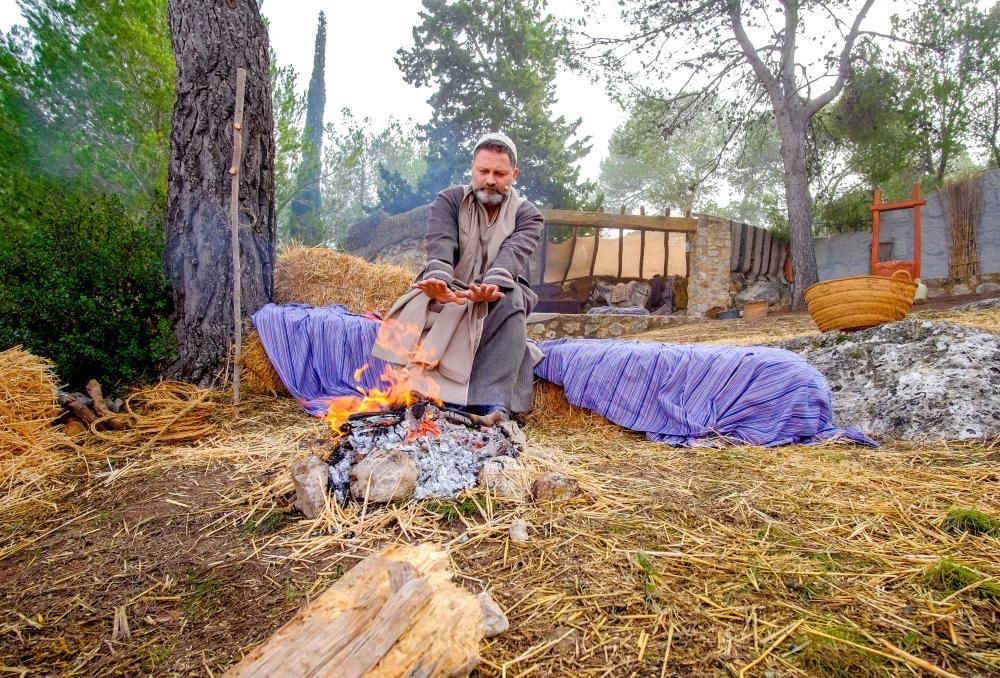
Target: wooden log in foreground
pixel 394 614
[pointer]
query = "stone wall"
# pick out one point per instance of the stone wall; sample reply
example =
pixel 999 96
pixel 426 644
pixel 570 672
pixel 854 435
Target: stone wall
pixel 952 287
pixel 850 254
pixel 708 285
pixel 598 326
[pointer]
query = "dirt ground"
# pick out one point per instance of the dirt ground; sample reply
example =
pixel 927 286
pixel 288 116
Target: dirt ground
pixel 826 560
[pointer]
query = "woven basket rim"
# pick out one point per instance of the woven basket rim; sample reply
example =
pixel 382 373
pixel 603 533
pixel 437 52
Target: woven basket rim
pixel 861 277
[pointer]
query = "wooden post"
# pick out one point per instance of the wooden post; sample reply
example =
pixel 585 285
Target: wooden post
pixel 234 218
pixel 642 249
pixel 593 257
pixel 918 201
pixel 621 249
pixel 572 253
pixel 876 213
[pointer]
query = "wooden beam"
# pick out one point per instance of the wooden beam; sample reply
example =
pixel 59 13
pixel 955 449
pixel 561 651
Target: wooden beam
pixel 630 221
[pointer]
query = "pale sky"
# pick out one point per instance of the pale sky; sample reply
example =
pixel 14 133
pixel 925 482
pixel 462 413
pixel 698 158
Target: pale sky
pixel 362 39
pixel 361 42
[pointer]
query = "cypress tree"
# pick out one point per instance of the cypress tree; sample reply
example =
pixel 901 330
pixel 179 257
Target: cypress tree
pixel 307 224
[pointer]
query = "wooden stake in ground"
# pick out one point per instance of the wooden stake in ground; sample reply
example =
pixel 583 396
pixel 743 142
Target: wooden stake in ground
pixel 234 217
pixel 394 614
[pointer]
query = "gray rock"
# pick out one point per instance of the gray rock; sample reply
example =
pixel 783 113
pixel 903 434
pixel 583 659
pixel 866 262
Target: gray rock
pixel 494 620
pixel 770 291
pixel 981 305
pixel 911 380
pixel 311 481
pixel 988 287
pixel 519 531
pixel 505 477
pixel 514 432
pixel 384 475
pixel 554 486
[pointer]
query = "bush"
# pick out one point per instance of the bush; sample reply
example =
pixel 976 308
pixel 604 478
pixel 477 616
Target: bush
pixel 82 283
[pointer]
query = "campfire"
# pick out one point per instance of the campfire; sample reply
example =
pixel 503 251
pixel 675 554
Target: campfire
pixel 398 442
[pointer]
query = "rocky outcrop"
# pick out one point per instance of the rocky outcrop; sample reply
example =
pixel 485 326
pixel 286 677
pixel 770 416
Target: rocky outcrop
pixel 391 238
pixel 911 380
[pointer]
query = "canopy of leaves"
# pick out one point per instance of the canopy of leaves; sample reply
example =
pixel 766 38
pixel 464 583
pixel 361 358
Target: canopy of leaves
pixel 87 94
pixel 650 164
pixel 493 64
pixel 361 165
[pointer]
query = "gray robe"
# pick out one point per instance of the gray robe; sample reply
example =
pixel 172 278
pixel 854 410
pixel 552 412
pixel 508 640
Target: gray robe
pixel 502 369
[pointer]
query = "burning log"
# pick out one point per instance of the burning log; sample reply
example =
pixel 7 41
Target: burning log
pixel 393 614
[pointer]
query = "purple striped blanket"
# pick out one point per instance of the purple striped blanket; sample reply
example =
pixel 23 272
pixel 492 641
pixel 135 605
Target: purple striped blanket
pixel 681 395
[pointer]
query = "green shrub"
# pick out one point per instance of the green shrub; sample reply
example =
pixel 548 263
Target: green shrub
pixel 81 282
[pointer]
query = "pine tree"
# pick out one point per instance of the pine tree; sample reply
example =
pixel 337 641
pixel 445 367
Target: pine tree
pixel 494 63
pixel 307 224
pixel 211 41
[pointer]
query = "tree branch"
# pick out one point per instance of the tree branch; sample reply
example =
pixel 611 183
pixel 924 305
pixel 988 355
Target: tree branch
pixel 788 49
pixel 750 52
pixel 844 67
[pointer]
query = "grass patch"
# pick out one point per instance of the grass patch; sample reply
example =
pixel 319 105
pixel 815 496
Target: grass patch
pixel 829 657
pixel 949 576
pixel 468 507
pixel 824 558
pixel 265 523
pixel 206 597
pixel 971 521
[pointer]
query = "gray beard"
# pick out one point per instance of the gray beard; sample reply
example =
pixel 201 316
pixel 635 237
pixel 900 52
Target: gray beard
pixel 489 198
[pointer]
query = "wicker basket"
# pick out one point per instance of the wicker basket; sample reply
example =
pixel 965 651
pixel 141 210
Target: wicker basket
pixel 861 301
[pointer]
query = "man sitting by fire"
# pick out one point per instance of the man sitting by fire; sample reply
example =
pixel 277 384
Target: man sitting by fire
pixel 462 325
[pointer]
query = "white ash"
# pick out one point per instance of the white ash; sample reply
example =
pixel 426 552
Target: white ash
pixel 448 462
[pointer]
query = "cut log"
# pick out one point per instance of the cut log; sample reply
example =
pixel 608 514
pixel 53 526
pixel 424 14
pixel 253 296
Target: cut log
pixel 97 396
pixel 394 614
pixel 79 410
pixel 108 417
pixel 74 427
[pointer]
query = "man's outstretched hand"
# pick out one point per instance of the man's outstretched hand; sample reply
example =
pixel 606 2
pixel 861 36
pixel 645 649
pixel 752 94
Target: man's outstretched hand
pixel 439 291
pixel 487 293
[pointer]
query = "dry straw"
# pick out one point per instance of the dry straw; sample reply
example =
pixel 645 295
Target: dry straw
pixel 32 449
pixel 319 276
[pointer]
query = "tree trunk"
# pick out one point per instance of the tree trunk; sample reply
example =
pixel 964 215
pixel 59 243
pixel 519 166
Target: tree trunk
pixel 793 154
pixel 211 39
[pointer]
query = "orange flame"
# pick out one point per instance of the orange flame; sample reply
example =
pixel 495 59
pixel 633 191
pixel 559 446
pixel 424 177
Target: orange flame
pixel 401 387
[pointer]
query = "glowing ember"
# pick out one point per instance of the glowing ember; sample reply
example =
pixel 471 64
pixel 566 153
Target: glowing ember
pixel 426 427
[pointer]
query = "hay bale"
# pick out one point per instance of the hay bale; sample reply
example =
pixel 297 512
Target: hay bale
pixel 33 452
pixel 258 373
pixel 319 276
pixel 27 400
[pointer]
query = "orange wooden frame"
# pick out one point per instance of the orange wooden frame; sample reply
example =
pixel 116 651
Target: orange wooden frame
pixel 887 268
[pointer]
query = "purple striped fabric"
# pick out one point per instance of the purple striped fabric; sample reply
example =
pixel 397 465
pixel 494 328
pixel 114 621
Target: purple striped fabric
pixel 695 395
pixel 315 350
pixel 681 395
